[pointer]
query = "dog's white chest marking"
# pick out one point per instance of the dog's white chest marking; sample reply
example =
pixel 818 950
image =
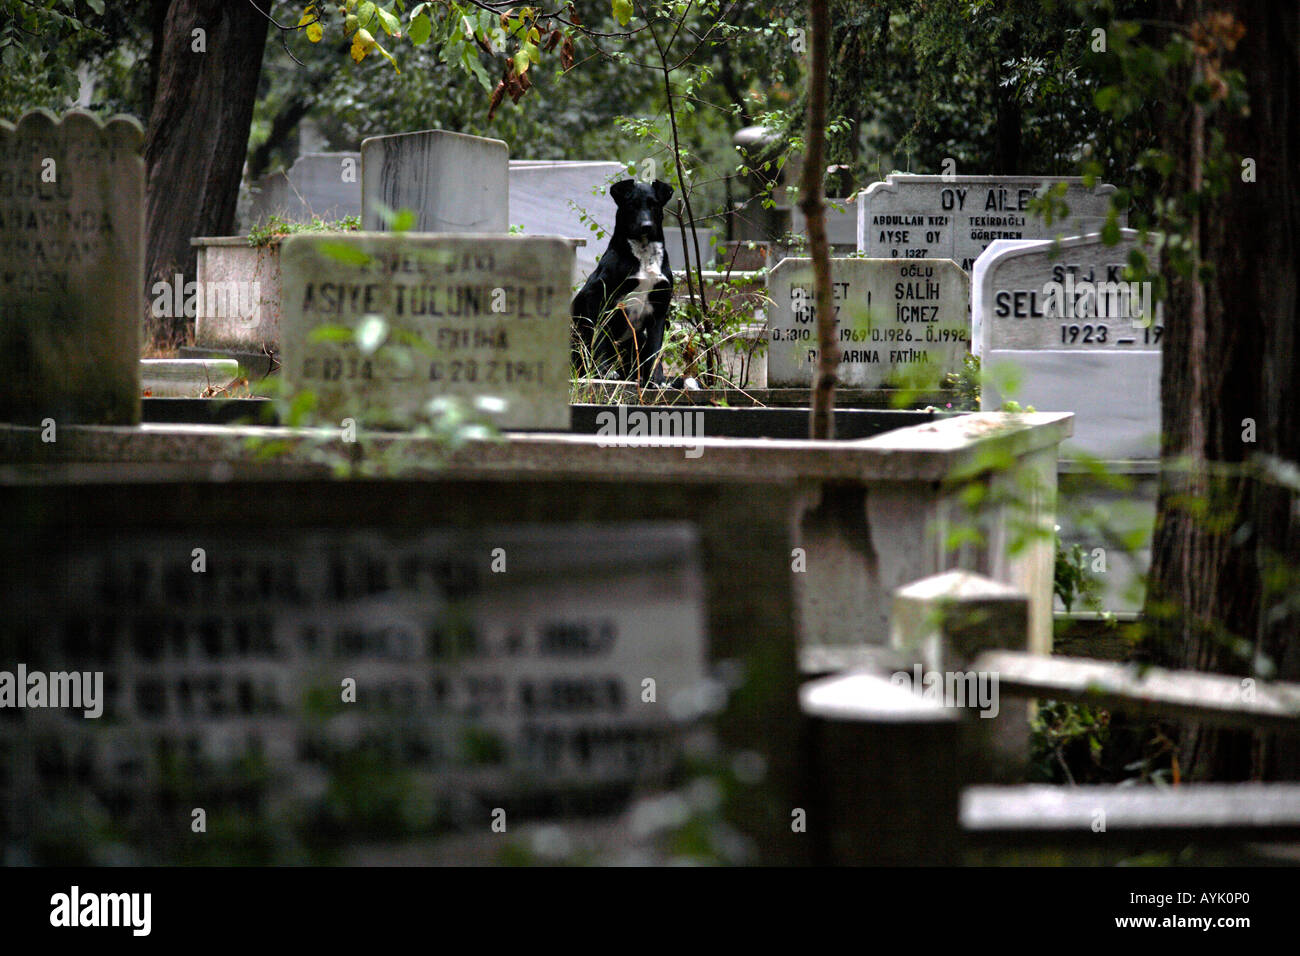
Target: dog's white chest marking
pixel 636 304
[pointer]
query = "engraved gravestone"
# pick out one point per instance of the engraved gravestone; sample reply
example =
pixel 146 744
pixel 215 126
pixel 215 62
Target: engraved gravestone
pixel 899 322
pixel 326 185
pixel 1062 320
pixel 1058 327
pixel 71 268
pixel 956 217
pixel 353 684
pixel 463 316
pixel 452 182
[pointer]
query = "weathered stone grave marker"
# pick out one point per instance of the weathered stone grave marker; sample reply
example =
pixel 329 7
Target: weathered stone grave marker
pixel 956 217
pixel 71 268
pixel 491 316
pixel 452 182
pixel 327 185
pixel 900 323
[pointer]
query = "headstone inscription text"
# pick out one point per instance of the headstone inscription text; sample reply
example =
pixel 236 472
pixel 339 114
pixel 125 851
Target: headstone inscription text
pixel 520 684
pixel 71 268
pixel 899 322
pixel 1072 294
pixel 956 217
pixel 468 317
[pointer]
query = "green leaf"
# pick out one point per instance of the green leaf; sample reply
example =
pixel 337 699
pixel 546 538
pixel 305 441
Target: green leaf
pixel 420 30
pixel 1110 231
pixel 329 333
pixel 96 5
pixel 622 10
pixel 521 61
pixel 342 252
pixel 470 61
pixel 392 26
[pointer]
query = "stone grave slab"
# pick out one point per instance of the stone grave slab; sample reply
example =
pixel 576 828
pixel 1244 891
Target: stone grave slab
pixel 327 185
pixel 490 318
pixel 452 182
pixel 543 197
pixel 901 322
pixel 186 378
pixel 956 217
pixel 71 268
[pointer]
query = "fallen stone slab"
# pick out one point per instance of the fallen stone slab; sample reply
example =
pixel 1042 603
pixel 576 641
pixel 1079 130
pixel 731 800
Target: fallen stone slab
pixel 186 378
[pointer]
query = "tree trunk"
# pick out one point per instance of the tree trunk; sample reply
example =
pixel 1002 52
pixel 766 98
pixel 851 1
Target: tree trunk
pixel 1230 359
pixel 822 424
pixel 198 135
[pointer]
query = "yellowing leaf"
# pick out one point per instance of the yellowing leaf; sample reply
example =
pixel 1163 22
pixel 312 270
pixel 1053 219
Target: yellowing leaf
pixel 622 10
pixel 521 61
pixel 314 32
pixel 362 43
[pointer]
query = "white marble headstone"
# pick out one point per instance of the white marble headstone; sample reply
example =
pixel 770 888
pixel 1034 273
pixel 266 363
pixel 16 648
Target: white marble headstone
pixel 452 182
pixel 900 322
pixel 552 199
pixel 1060 320
pixel 956 217
pixel 469 317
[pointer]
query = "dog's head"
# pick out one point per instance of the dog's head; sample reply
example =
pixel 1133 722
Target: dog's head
pixel 640 209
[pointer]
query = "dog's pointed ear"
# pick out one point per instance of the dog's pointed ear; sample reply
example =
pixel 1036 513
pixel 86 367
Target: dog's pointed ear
pixel 663 192
pixel 622 190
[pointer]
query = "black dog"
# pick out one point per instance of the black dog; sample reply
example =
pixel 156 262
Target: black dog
pixel 620 316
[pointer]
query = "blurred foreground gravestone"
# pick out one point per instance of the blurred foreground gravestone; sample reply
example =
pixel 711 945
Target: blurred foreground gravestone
pixel 339 688
pixel 483 318
pixel 71 268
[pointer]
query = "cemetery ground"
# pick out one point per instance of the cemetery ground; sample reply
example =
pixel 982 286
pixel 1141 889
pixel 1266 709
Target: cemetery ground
pixel 321 545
